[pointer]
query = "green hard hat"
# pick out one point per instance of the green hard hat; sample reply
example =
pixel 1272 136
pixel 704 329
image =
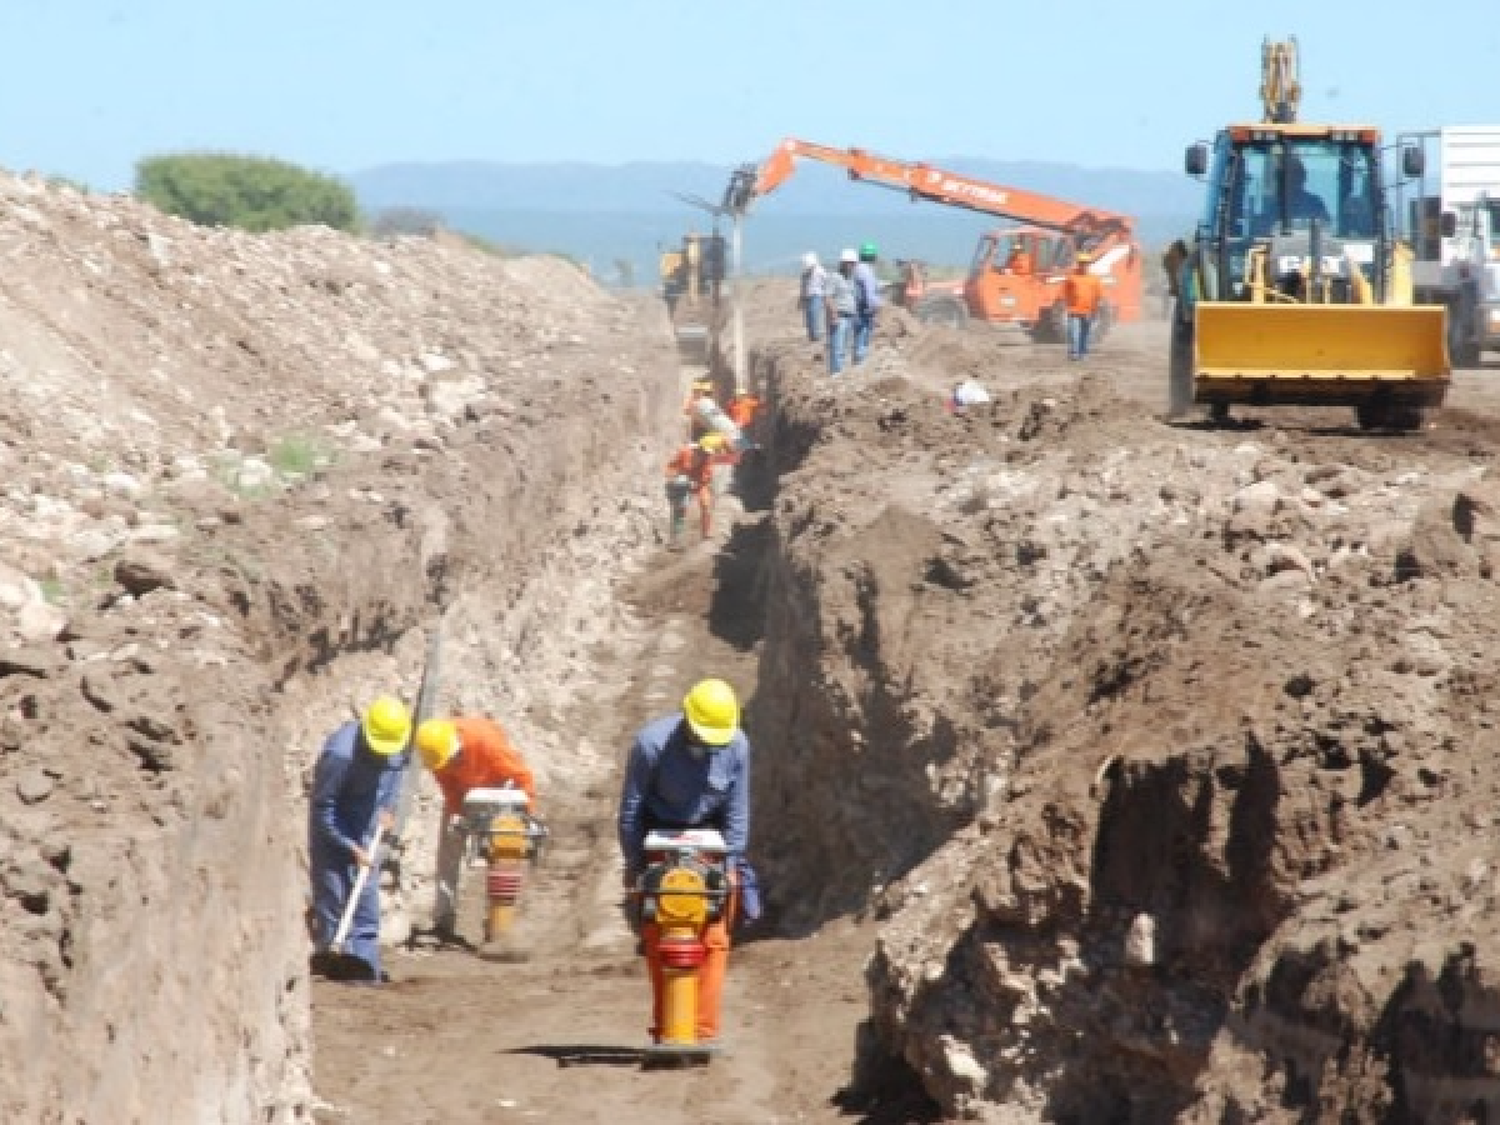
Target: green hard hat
pixel 869 252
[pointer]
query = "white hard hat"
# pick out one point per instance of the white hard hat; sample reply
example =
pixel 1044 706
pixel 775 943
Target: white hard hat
pixel 809 260
pixel 848 256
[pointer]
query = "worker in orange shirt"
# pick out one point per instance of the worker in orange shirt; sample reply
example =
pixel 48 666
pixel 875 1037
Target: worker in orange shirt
pixel 466 753
pixel 1020 260
pixel 1082 292
pixel 690 473
pixel 744 410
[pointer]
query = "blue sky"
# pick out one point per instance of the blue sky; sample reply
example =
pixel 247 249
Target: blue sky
pixel 90 86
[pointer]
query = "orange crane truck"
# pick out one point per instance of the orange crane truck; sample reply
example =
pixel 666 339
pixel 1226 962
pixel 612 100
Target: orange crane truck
pixel 1016 276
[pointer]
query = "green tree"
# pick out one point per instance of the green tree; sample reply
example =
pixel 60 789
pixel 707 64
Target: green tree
pixel 250 192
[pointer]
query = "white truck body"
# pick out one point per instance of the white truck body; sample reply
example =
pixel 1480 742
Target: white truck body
pixel 1462 269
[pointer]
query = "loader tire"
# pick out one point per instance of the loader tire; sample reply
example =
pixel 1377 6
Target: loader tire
pixel 1104 320
pixel 1382 414
pixel 1463 314
pixel 942 310
pixel 1180 370
pixel 1051 325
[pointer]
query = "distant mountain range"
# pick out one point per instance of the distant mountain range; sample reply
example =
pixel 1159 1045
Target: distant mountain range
pixel 617 218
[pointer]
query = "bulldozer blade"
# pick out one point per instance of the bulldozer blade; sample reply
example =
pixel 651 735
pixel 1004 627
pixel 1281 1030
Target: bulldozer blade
pixel 1320 355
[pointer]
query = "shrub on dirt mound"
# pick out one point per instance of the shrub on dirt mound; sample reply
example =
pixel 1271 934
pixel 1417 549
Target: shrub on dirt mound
pixel 253 193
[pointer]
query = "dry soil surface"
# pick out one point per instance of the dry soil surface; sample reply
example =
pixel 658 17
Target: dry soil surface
pixel 1106 770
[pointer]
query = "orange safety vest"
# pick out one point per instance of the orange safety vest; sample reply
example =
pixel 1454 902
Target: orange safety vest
pixel 742 410
pixel 693 463
pixel 1082 291
pixel 487 761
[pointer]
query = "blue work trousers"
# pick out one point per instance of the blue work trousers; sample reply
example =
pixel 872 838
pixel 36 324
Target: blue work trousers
pixel 333 875
pixel 1078 335
pixel 839 331
pixel 816 313
pixel 864 330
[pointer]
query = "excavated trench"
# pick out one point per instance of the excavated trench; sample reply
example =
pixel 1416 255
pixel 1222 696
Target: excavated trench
pixel 1098 766
pixel 554 1032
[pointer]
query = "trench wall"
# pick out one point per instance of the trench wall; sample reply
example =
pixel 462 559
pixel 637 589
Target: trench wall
pixel 155 962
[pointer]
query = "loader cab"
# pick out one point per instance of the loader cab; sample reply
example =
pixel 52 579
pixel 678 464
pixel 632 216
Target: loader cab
pixel 1291 192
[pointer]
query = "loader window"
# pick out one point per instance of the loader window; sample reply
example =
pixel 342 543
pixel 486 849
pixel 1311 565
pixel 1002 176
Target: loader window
pixel 1285 186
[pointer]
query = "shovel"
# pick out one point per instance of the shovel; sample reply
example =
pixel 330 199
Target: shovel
pixel 341 964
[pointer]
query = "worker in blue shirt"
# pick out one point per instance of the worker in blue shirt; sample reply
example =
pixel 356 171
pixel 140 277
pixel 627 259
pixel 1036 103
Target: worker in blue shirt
pixel 867 300
pixel 356 783
pixel 691 769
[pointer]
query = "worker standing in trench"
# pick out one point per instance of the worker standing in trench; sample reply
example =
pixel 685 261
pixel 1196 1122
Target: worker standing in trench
pixel 356 783
pixel 691 769
pixel 466 753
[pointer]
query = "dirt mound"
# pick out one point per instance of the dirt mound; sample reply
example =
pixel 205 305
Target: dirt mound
pixel 245 476
pixel 1160 749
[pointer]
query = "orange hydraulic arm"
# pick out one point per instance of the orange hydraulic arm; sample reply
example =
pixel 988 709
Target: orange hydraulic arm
pixel 1091 227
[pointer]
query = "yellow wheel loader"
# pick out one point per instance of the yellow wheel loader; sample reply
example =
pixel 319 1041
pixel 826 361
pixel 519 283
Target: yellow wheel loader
pixel 1296 289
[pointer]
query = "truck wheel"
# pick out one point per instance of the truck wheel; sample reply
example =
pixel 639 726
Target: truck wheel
pixel 1104 320
pixel 1463 314
pixel 1376 414
pixel 1180 369
pixel 942 310
pixel 1051 326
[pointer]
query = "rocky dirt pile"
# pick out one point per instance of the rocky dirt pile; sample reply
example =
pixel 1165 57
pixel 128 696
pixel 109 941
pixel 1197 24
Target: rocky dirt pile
pixel 244 477
pixel 1164 753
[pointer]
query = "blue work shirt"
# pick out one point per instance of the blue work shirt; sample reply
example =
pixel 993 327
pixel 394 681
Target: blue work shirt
pixel 866 288
pixel 349 785
pixel 667 786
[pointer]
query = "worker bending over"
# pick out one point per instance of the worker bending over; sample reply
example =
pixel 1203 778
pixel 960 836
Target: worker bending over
pixel 466 753
pixel 691 769
pixel 690 474
pixel 356 783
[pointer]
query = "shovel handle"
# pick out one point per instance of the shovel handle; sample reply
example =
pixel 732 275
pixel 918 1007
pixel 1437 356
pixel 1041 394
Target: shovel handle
pixel 342 933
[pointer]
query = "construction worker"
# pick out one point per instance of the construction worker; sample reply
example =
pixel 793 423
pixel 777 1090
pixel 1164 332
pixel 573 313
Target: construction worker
pixel 810 295
pixel 356 783
pixel 1082 293
pixel 744 411
pixel 691 769
pixel 464 753
pixel 1302 206
pixel 867 300
pixel 1019 261
pixel 842 306
pixel 697 424
pixel 690 474
pixel 1171 265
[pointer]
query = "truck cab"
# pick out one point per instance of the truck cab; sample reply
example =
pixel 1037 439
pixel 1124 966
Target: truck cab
pixel 1450 216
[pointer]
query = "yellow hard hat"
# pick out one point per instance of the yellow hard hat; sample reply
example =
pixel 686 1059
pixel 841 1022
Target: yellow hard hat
pixel 711 443
pixel 437 742
pixel 712 712
pixel 386 726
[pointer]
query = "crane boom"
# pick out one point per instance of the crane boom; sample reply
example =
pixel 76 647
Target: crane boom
pixel 1090 226
pixel 1280 84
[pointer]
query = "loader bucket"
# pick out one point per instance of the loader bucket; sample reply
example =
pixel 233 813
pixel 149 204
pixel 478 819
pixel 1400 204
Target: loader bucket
pixel 1320 355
